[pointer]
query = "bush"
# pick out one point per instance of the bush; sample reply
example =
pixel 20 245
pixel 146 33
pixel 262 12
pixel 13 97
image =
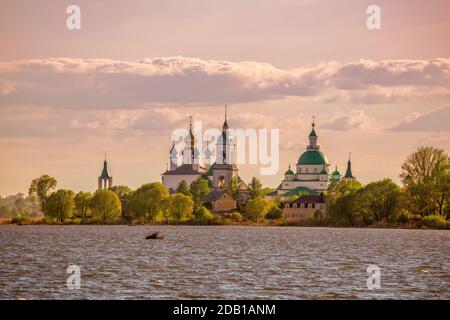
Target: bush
pixel 435 221
pixel 404 217
pixel 236 216
pixel 203 215
pixel 274 213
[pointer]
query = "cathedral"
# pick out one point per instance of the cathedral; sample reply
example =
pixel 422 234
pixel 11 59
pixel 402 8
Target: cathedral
pixel 189 164
pixel 312 172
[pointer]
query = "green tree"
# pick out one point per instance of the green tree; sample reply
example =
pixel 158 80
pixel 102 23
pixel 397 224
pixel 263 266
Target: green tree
pixel 123 192
pixel 199 189
pixel 82 204
pixel 181 207
pixel 256 188
pixel 183 188
pixel 257 208
pixel 203 215
pixel 424 177
pixel 60 204
pixel 274 212
pixel 380 201
pixel 233 187
pixel 342 202
pixel 105 205
pixel 41 188
pixel 147 202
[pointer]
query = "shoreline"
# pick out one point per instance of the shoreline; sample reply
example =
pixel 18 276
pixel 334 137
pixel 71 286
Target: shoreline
pixel 305 224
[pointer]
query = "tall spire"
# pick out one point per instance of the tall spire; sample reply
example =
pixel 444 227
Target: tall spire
pixel 225 124
pixel 348 173
pixel 313 137
pixel 191 134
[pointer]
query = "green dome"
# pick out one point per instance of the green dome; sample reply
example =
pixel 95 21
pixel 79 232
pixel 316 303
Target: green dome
pixel 336 173
pixel 312 157
pixel 289 172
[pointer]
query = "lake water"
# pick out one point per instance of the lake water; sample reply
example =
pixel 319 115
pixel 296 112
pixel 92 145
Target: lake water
pixel 222 262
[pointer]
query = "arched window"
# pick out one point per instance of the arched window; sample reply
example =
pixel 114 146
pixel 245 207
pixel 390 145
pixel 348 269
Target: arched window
pixel 294 205
pixel 286 205
pixel 302 205
pixel 310 205
pixel 221 183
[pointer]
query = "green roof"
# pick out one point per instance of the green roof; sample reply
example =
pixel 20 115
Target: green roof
pixel 336 173
pixel 313 133
pixel 312 157
pixel 105 172
pixel 289 171
pixel 323 171
pixel 299 190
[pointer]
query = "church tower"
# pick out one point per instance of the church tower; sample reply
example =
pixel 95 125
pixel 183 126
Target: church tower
pixel 313 138
pixel 105 180
pixel 348 173
pixel 189 146
pixel 223 145
pixel 223 170
pixel 173 157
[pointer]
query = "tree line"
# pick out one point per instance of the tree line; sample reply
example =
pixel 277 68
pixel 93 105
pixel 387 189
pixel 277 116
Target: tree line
pixel 424 198
pixel 149 203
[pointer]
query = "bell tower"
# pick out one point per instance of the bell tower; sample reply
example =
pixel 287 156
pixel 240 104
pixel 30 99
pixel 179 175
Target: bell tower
pixel 105 180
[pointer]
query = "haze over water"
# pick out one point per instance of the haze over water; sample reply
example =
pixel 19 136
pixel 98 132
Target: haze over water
pixel 222 262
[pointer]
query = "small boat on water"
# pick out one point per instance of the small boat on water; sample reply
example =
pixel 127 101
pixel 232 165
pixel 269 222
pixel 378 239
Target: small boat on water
pixel 155 235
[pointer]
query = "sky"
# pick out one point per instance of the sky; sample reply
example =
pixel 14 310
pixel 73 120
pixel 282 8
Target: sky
pixel 137 70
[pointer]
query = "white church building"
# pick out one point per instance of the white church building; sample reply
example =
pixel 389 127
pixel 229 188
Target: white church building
pixel 312 172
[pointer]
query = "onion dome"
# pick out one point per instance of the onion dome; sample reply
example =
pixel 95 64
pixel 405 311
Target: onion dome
pixel 289 171
pixel 312 157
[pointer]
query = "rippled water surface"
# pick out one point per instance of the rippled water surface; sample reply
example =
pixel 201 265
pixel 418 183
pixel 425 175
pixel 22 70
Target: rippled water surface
pixel 222 262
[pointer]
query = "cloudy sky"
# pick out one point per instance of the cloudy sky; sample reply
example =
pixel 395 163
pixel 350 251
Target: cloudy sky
pixel 137 69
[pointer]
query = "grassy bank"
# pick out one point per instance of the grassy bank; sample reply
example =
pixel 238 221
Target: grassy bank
pixel 429 222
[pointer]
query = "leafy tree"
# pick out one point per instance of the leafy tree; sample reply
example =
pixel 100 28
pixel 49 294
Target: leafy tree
pixel 181 207
pixel 343 209
pixel 256 189
pixel 342 202
pixel 60 204
pixel 380 200
pixel 203 215
pixel 183 188
pixel 146 203
pixel 199 189
pixel 40 189
pixel 257 208
pixel 233 187
pixel 19 206
pixel 123 192
pixel 82 204
pixel 425 180
pixel 105 205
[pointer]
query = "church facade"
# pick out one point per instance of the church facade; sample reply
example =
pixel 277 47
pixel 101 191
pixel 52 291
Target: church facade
pixel 312 172
pixel 189 166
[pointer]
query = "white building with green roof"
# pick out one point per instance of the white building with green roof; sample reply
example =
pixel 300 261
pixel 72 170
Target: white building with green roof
pixel 311 172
